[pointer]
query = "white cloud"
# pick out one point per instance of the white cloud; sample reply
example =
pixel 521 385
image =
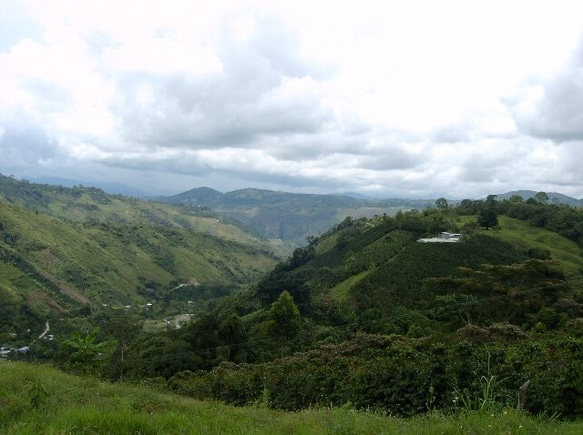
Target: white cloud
pixel 418 98
pixel 160 56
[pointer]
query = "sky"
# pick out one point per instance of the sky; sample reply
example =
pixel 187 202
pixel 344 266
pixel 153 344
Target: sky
pixel 408 99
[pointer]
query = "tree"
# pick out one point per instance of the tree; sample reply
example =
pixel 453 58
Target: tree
pixel 488 218
pixel 124 329
pixel 285 321
pixel 441 203
pixel 468 207
pixel 84 353
pixel 491 200
pixel 541 197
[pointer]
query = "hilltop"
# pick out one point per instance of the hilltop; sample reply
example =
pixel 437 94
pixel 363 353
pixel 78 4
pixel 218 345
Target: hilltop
pixel 553 197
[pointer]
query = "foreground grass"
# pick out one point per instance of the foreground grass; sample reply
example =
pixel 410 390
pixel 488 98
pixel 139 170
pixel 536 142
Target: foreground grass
pixel 41 400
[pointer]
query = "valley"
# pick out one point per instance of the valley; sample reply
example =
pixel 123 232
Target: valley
pixel 361 315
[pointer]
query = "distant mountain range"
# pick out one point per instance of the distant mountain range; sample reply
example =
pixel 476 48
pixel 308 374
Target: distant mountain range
pixel 289 216
pixel 216 196
pixel 294 216
pixel 554 197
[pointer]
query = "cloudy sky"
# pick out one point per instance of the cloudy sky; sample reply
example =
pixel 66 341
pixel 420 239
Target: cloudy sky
pixel 387 98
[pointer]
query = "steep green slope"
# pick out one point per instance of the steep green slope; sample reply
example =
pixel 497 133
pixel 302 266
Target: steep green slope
pixel 64 264
pixel 377 271
pixel 91 205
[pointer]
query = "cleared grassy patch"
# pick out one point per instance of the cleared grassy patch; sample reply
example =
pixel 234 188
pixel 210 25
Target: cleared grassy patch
pixel 525 236
pixel 341 292
pixel 564 251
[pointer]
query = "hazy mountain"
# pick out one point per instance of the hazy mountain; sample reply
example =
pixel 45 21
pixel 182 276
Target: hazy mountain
pixel 554 197
pixel 290 216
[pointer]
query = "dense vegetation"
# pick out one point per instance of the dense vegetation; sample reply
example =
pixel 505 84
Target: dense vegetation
pixel 454 316
pixel 41 400
pixel 363 316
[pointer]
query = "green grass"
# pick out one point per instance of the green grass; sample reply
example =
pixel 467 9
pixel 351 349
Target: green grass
pixel 525 236
pixel 41 400
pixel 341 292
pixel 563 250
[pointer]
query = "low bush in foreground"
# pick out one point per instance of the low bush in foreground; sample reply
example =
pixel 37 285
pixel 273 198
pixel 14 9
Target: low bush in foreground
pixel 405 377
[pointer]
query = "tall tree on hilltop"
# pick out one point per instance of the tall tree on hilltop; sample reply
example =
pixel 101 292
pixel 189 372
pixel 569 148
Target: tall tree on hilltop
pixel 488 218
pixel 542 197
pixel 441 203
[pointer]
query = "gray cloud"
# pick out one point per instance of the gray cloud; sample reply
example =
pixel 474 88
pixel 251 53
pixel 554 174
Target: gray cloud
pixel 295 99
pixel 452 133
pixel 558 114
pixel 390 158
pixel 23 143
pixel 264 89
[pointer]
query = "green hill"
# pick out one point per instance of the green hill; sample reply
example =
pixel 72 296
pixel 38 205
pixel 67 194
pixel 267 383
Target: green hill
pixel 375 268
pixel 365 316
pixel 68 249
pixel 501 307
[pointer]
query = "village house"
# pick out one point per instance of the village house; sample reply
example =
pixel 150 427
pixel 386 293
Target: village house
pixel 443 237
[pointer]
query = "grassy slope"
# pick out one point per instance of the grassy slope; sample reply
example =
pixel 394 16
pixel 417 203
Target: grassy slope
pixel 41 400
pixel 564 251
pixel 86 204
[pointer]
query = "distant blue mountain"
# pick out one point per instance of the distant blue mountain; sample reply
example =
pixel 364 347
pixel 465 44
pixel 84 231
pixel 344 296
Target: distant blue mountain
pixel 554 197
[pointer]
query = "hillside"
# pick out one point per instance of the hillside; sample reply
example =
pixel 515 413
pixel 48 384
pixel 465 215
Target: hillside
pixel 367 314
pixel 69 251
pixel 376 268
pixel 92 205
pixel 364 314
